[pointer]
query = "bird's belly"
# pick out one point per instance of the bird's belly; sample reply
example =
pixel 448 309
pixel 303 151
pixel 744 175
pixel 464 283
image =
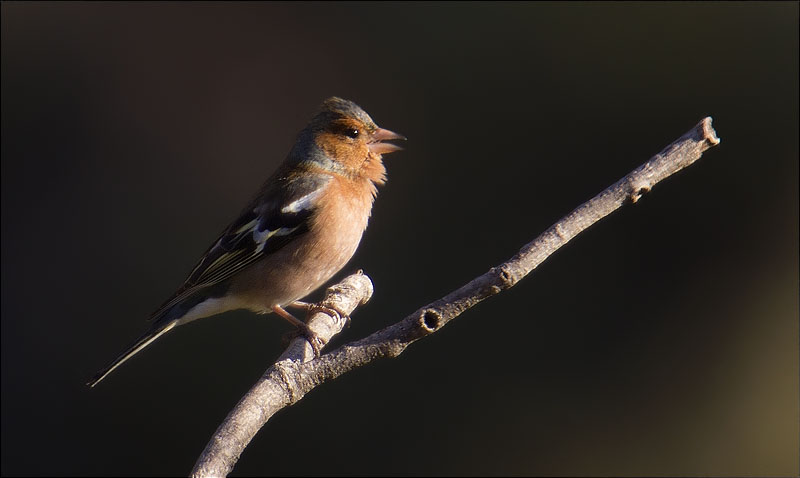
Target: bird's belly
pixel 296 270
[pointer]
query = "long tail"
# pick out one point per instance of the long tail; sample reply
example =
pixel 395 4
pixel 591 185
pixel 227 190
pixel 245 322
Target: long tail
pixel 151 335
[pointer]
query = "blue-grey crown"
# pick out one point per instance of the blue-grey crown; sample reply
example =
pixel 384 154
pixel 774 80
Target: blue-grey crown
pixel 341 107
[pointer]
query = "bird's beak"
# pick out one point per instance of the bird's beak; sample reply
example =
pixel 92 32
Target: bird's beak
pixel 376 146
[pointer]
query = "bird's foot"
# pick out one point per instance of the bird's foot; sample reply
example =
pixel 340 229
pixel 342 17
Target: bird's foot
pixel 301 329
pixel 314 340
pixel 337 314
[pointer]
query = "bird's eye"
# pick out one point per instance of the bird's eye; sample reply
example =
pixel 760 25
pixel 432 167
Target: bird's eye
pixel 351 132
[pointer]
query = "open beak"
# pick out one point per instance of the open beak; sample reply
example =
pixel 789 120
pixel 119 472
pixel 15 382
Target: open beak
pixel 376 145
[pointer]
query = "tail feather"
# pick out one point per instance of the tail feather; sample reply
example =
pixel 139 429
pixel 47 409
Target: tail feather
pixel 151 335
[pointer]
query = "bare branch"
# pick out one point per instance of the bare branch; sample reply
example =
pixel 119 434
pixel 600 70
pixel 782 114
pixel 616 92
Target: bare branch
pixel 290 378
pixel 281 385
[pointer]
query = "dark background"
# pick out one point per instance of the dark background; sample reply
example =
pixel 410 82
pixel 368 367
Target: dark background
pixel 663 341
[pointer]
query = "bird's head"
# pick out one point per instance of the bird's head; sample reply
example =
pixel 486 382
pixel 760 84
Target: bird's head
pixel 344 139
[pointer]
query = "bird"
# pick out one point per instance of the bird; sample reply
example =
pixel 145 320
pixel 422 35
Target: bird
pixel 300 229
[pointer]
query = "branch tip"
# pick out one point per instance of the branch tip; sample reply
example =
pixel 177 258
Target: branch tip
pixel 709 134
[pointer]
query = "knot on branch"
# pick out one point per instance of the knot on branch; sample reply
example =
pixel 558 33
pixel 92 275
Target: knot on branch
pixel 286 372
pixel 421 323
pixel 637 193
pixel 636 189
pixel 505 277
pixel 430 321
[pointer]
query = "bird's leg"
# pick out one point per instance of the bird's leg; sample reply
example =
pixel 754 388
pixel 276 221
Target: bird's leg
pixel 282 313
pixel 301 329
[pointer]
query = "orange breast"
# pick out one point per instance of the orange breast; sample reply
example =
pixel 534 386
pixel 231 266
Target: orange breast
pixel 309 261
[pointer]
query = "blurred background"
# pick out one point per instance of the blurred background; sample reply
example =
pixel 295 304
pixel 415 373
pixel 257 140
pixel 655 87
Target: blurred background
pixel 662 341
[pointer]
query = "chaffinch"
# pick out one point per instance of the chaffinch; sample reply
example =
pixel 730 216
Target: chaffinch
pixel 302 227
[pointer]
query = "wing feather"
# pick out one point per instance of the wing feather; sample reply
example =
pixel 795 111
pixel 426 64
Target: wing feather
pixel 278 215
